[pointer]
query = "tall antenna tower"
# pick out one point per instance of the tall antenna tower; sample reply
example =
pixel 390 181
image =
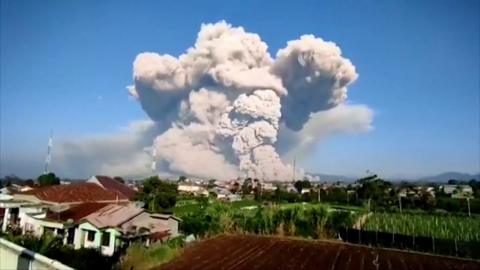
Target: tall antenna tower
pixel 49 153
pixel 154 159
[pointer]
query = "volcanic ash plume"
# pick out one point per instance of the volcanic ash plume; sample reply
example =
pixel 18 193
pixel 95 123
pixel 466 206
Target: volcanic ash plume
pixel 220 105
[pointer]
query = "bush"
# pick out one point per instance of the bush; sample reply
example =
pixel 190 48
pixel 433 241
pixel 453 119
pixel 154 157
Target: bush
pixel 140 257
pixel 307 221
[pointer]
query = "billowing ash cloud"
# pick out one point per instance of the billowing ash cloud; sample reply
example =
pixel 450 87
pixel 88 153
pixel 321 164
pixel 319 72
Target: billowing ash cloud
pixel 316 76
pixel 221 106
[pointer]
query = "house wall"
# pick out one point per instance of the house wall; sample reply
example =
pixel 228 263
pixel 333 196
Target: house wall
pixel 113 243
pixel 173 227
pixel 28 198
pixel 30 224
pixel 84 229
pixel 83 241
pixel 6 219
pixel 24 212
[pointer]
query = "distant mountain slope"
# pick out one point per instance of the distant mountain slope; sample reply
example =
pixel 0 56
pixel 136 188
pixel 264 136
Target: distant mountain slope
pixel 444 177
pixel 333 177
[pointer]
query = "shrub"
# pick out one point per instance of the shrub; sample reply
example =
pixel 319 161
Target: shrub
pixel 140 257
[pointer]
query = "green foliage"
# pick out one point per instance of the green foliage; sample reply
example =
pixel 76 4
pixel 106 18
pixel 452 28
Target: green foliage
pixel 247 186
pixel 176 242
pixel 299 185
pixel 301 220
pixel 458 205
pixel 139 257
pixel 48 179
pixel 158 195
pixel 437 226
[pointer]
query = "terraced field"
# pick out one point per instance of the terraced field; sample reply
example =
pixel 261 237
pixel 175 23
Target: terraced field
pixel 261 252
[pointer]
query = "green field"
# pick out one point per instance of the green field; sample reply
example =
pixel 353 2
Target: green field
pixel 186 208
pixel 437 226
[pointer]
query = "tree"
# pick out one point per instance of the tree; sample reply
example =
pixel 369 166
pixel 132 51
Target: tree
pixel 211 183
pixel 427 199
pixel 375 189
pixel 48 179
pixel 157 194
pixel 452 182
pixel 247 186
pixel 181 179
pixel 235 188
pixel 299 185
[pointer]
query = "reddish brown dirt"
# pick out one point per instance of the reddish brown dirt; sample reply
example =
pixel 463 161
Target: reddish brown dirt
pixel 261 252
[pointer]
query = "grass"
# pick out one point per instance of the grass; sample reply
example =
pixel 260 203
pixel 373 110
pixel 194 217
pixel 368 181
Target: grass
pixel 139 257
pixel 189 206
pixel 244 203
pixel 446 227
pixel 184 209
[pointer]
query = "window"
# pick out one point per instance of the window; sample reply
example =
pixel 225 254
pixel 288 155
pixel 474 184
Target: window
pixel 90 236
pixel 106 239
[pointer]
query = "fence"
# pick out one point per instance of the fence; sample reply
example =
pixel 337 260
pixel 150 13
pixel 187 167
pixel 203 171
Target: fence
pixel 13 256
pixel 449 247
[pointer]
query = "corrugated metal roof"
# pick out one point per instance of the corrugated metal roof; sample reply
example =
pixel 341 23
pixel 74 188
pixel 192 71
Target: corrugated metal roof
pixel 113 215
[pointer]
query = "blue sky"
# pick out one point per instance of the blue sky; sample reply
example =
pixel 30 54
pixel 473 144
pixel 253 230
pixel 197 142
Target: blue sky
pixel 65 65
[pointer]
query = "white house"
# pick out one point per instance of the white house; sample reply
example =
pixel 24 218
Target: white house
pixel 306 190
pixel 268 187
pixel 458 191
pixel 116 225
pixel 192 189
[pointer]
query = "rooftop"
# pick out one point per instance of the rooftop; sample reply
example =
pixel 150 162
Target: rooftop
pixel 113 215
pixel 113 185
pixel 76 213
pixel 75 192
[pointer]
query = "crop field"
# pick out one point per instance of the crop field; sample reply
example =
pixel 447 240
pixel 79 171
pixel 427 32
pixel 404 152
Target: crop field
pixel 261 252
pixel 446 227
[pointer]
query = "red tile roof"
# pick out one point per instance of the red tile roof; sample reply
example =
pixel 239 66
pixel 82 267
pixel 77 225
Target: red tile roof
pixel 113 185
pixel 76 192
pixel 77 212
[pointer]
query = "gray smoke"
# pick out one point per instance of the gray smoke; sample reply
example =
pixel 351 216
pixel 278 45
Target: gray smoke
pixel 222 105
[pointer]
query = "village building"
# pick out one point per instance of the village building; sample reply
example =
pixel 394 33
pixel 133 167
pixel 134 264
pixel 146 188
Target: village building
pixel 97 213
pixel 458 191
pixel 193 189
